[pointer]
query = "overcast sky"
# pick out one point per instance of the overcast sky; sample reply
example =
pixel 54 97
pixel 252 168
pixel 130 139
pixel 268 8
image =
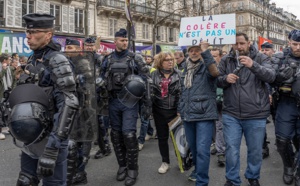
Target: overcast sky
pixel 292 6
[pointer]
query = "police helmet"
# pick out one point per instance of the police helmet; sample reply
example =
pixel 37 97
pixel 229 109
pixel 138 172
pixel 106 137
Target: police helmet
pixel 29 120
pixel 133 90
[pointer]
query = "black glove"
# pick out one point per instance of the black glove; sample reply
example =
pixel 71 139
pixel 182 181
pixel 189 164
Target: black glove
pixel 47 162
pixel 284 74
pixel 146 112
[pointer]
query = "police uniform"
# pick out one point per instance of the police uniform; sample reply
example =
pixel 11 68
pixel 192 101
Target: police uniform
pixel 103 119
pixel 42 115
pixel 265 144
pixel 287 122
pixel 76 164
pixel 126 77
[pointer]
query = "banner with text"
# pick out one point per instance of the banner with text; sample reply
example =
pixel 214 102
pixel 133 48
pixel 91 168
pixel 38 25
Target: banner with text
pixel 17 43
pixel 215 29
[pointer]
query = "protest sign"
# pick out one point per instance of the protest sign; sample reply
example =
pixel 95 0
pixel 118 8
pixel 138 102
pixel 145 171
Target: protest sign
pixel 215 29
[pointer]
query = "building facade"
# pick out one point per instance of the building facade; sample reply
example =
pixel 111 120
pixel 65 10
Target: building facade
pixel 153 23
pixel 260 18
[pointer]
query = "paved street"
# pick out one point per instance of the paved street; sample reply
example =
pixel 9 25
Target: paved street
pixel 102 172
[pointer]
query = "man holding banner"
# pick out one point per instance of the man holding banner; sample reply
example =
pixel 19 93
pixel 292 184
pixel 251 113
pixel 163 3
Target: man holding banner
pixel 198 108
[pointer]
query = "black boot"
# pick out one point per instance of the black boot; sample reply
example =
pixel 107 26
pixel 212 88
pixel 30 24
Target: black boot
pixel 131 143
pixel 120 151
pixel 297 178
pixel 80 178
pixel 287 159
pixel 71 161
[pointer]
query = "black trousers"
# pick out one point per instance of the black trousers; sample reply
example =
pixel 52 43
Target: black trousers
pixel 161 118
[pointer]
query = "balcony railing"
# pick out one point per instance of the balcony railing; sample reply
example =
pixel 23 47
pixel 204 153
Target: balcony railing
pixel 137 8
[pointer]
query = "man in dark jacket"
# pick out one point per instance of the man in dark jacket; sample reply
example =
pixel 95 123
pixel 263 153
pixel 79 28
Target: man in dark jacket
pixel 243 76
pixel 198 108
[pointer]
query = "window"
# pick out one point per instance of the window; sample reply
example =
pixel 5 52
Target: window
pixel 79 21
pixel 55 11
pixel 1 8
pixel 112 27
pixel 27 8
pixel 240 20
pixel 145 31
pixel 2 19
pixel 170 7
pixel 171 34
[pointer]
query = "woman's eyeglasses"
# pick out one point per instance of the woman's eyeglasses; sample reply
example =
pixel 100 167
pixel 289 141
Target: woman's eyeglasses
pixel 169 59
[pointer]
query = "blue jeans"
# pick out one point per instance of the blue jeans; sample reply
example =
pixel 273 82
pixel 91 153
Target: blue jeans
pixel 254 132
pixel 146 128
pixel 199 137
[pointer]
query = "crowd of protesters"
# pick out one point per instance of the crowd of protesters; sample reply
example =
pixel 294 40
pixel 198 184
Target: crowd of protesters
pixel 219 95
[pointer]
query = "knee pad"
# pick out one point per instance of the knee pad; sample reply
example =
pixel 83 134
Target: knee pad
pixel 282 143
pixel 27 180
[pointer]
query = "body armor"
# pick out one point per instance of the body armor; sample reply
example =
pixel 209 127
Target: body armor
pixel 118 71
pixel 291 87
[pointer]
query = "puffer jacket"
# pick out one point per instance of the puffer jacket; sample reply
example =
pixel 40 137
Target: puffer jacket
pixel 248 98
pixel 198 103
pixel 174 89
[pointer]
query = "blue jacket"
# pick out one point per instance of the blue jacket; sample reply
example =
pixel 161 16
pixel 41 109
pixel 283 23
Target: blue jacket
pixel 198 103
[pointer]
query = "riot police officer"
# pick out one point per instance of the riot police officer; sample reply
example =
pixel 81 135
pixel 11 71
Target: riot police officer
pixel 126 77
pixel 103 120
pixel 42 116
pixel 81 134
pixel 287 123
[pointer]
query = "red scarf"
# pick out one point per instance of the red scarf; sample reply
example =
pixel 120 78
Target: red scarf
pixel 164 85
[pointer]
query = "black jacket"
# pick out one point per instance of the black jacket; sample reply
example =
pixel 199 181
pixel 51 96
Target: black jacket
pixel 174 89
pixel 248 98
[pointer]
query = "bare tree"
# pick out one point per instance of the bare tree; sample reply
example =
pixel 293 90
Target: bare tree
pixel 163 10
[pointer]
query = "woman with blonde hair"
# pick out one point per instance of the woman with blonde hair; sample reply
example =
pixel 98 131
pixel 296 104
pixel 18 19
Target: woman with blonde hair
pixel 166 92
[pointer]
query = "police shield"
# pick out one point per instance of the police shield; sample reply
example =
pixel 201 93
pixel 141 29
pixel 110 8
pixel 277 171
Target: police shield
pixel 85 123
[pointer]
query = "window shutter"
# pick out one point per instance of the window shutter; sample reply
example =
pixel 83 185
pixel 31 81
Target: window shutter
pixel 40 7
pixel 71 19
pixel 65 18
pixel 18 13
pixel 10 13
pixel 47 7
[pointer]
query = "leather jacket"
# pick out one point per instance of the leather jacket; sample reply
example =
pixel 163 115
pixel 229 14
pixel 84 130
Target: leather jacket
pixel 170 101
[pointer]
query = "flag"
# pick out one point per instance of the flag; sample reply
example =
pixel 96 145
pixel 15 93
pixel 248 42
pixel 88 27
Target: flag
pixel 129 18
pixel 127 11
